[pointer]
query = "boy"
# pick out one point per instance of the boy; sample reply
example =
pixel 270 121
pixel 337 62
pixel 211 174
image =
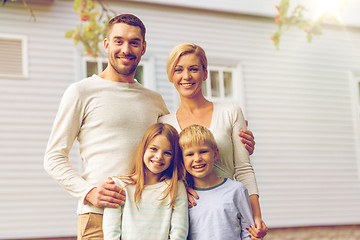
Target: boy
pixel 223 209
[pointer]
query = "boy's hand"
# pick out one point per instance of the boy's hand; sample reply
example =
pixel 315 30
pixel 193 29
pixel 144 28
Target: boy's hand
pixel 247 138
pixel 106 194
pixel 259 231
pixel 192 195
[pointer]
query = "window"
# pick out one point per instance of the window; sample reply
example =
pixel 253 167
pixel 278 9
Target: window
pixel 13 57
pixel 223 84
pixel 143 74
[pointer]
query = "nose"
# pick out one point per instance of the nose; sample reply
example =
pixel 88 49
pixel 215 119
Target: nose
pixel 197 157
pixel 125 49
pixel 187 75
pixel 159 155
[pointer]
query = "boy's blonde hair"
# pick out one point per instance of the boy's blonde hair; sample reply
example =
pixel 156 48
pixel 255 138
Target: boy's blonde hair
pixel 197 134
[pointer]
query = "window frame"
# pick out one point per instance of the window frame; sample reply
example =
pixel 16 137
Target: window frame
pixel 355 87
pixel 237 84
pixel 24 56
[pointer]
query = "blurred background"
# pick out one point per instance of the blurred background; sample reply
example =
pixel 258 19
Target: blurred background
pixel 301 99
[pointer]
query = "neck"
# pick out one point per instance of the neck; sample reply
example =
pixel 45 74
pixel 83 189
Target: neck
pixel 151 179
pixel 192 104
pixel 110 74
pixel 207 182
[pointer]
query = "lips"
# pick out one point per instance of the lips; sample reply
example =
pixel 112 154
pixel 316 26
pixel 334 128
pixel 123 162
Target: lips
pixel 126 58
pixel 200 166
pixel 187 84
pixel 157 163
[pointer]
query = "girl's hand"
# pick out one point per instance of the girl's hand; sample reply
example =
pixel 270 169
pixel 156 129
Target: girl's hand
pixel 259 231
pixel 192 195
pixel 106 194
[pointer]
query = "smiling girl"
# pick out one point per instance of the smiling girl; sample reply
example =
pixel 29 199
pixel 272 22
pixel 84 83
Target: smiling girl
pixel 156 200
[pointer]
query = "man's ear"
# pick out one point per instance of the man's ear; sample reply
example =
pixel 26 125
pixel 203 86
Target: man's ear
pixel 106 45
pixel 144 49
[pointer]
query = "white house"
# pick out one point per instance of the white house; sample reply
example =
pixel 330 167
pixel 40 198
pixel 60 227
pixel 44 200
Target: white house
pixel 302 103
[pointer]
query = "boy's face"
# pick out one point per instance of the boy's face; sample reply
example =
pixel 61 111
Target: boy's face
pixel 199 160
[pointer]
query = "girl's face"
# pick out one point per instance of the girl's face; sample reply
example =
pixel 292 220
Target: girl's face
pixel 157 158
pixel 188 76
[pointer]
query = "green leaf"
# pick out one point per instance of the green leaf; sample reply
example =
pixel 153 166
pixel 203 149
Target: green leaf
pixel 69 33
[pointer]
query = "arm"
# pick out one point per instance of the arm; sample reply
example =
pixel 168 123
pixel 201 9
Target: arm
pixel 179 217
pixel 245 212
pixel 112 220
pixel 66 126
pixel 244 173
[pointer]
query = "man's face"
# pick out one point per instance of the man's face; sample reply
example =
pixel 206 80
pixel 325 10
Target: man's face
pixel 125 47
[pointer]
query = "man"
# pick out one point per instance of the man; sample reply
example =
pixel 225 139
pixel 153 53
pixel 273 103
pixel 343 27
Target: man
pixel 108 115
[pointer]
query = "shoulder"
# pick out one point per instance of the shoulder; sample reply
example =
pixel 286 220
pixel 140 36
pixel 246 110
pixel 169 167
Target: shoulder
pixel 81 87
pixel 227 107
pixel 235 184
pixel 168 118
pixel 121 181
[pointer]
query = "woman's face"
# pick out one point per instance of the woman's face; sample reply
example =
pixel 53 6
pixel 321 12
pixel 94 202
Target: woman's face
pixel 188 76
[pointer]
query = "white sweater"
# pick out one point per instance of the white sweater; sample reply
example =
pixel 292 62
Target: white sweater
pixel 154 220
pixel 108 119
pixel 234 162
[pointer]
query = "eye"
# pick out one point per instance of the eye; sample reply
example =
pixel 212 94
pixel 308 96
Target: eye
pixel 204 151
pixel 194 69
pixel 189 154
pixel 154 149
pixel 177 70
pixel 168 153
pixel 135 44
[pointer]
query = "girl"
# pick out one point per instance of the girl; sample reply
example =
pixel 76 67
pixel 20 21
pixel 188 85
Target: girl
pixel 156 200
pixel 187 69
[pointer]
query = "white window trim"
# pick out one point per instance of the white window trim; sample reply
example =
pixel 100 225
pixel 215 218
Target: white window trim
pixel 237 85
pixel 354 86
pixel 24 57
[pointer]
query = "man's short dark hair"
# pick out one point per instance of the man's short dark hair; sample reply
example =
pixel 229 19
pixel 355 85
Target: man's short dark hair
pixel 128 19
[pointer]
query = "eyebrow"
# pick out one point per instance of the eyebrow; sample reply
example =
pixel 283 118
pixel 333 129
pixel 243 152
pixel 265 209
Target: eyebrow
pixel 132 39
pixel 195 65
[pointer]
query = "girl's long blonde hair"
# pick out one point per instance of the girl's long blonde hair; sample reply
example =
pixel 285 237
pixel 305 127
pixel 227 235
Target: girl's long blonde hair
pixel 175 172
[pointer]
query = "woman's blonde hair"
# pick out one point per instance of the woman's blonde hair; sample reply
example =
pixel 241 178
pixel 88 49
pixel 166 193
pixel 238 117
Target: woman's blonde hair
pixel 181 50
pixel 175 172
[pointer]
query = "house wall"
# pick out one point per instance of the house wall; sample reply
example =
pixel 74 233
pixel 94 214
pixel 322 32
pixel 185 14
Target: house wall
pixel 298 102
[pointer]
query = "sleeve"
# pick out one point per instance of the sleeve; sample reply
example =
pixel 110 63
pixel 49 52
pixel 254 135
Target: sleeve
pixel 112 220
pixel 179 218
pixel 65 129
pixel 246 216
pixel 244 171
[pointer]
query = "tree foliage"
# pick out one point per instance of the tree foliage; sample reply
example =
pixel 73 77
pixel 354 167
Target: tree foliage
pixel 92 28
pixel 285 19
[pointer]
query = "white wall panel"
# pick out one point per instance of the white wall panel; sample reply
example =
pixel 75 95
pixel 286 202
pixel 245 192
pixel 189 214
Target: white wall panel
pixel 298 102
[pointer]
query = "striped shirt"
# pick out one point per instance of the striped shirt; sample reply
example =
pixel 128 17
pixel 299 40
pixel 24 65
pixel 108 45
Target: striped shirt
pixel 153 220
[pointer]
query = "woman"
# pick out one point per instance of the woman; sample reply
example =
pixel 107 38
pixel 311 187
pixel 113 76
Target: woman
pixel 187 69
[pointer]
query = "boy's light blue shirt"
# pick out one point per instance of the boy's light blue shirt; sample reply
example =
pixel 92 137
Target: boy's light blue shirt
pixel 222 212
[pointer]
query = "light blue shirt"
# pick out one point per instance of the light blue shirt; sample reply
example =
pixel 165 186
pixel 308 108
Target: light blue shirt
pixel 222 212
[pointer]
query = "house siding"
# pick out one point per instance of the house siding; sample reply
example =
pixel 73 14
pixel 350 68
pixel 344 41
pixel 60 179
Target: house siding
pixel 298 102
